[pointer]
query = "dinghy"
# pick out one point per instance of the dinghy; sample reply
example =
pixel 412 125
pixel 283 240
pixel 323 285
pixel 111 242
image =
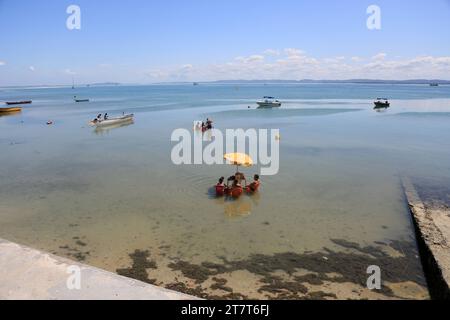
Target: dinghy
pixel 268 102
pixel 10 110
pixel 382 103
pixel 10 103
pixel 112 121
pixel 80 100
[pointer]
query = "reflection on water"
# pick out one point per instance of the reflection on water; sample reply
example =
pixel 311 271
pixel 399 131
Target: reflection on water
pixel 9 113
pixel 100 198
pixel 107 128
pixel 381 109
pixel 280 113
pixel 241 207
pixel 236 208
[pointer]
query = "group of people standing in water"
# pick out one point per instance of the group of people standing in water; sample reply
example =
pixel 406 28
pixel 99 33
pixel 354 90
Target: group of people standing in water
pixel 237 189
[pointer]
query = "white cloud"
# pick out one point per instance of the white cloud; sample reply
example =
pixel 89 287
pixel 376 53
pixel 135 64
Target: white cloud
pixel 2 63
pixel 271 52
pixel 380 56
pixel 250 59
pixel 70 72
pixel 32 68
pixel 356 59
pixel 187 67
pixel 294 64
pixel 293 52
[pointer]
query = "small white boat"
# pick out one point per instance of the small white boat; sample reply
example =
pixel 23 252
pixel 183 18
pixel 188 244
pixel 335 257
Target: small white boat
pixel 268 102
pixel 382 103
pixel 112 121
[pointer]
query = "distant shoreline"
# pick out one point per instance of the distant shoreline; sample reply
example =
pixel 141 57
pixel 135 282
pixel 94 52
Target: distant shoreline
pixel 237 82
pixel 355 81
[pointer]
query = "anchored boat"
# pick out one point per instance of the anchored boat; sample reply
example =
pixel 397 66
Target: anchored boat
pixel 10 103
pixel 80 100
pixel 112 121
pixel 268 102
pixel 382 103
pixel 10 110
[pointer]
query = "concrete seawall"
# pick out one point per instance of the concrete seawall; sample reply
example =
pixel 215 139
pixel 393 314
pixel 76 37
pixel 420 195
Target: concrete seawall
pixel 432 225
pixel 26 273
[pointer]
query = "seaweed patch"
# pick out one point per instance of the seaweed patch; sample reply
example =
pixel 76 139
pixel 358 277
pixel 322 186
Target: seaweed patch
pixel 349 266
pixel 138 269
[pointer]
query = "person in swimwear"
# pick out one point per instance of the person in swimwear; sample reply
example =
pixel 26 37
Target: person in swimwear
pixel 254 186
pixel 227 187
pixel 240 177
pixel 236 189
pixel 209 124
pixel 220 187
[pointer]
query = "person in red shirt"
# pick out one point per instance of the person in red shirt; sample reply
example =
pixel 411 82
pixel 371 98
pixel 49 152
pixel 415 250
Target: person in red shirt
pixel 220 188
pixel 236 189
pixel 254 186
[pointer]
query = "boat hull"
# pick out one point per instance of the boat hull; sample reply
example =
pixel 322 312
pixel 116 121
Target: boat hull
pixel 268 105
pixel 382 105
pixel 10 110
pixel 11 103
pixel 112 121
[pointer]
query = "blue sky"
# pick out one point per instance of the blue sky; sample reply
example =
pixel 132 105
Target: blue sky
pixel 141 41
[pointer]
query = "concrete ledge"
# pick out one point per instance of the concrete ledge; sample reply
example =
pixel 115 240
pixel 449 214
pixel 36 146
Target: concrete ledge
pixel 31 274
pixel 433 236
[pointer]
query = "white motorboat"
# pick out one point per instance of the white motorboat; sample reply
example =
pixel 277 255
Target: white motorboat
pixel 382 103
pixel 268 102
pixel 112 121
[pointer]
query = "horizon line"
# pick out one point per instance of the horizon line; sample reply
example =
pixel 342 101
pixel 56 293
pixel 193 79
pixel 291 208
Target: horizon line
pixel 236 81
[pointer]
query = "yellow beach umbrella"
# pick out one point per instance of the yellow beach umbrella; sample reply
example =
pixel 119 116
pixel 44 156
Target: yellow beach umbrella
pixel 239 159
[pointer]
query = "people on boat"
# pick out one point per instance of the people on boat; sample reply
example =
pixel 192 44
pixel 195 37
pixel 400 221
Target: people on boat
pixel 105 117
pixel 205 126
pixel 98 119
pixel 254 186
pixel 209 124
pixel 220 187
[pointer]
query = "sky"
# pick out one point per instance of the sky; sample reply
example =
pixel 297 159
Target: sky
pixel 141 41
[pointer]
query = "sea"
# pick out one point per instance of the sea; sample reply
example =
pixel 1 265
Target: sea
pixel 113 198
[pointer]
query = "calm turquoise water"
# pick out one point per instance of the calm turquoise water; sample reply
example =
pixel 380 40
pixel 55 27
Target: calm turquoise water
pixel 118 191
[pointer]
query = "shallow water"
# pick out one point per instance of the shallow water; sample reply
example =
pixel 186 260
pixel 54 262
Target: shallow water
pixel 99 195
